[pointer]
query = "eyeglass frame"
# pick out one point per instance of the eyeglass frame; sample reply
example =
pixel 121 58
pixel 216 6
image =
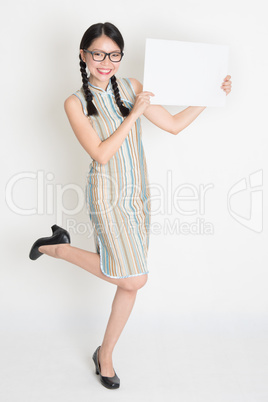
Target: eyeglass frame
pixel 106 54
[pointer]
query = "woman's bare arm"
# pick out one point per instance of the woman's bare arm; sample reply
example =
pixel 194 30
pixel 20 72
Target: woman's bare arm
pixel 102 151
pixel 173 124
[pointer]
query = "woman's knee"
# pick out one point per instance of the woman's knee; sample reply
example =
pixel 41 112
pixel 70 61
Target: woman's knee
pixel 135 283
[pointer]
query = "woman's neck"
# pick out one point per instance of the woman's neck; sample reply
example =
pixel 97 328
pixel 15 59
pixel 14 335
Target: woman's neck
pixel 100 84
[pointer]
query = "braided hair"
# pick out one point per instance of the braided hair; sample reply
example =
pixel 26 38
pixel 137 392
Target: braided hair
pixel 123 109
pixel 92 33
pixel 91 109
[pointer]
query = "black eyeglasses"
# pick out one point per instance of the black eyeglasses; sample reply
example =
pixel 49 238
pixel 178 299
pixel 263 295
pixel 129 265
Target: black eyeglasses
pixel 115 57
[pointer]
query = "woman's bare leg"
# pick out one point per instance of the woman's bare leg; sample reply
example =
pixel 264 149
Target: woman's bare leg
pixel 90 262
pixel 123 302
pixel 121 308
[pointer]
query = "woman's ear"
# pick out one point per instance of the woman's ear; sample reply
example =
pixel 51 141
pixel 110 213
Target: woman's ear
pixel 82 55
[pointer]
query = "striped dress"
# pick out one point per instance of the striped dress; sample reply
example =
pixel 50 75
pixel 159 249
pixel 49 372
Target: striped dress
pixel 117 193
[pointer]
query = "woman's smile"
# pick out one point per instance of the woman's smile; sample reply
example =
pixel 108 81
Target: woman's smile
pixel 104 71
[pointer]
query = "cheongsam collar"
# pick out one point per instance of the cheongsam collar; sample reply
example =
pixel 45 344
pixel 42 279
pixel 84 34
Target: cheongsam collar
pixel 109 89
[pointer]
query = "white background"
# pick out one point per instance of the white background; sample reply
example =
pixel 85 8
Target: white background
pixel 202 288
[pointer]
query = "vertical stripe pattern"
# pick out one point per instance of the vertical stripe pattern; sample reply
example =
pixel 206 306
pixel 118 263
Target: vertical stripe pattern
pixel 117 193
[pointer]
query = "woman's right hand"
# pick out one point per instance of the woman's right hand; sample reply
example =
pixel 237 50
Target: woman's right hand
pixel 142 101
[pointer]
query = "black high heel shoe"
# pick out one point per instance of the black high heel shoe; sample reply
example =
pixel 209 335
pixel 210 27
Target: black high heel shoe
pixel 59 236
pixel 108 382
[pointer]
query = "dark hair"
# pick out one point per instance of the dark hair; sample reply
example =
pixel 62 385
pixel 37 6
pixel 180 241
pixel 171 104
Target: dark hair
pixel 92 33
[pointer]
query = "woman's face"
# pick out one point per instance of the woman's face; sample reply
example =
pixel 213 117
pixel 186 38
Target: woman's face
pixel 101 71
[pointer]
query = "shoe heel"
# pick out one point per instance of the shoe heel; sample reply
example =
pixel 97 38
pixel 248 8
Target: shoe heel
pixel 108 382
pixel 64 233
pixel 59 236
pixel 54 228
pixel 96 368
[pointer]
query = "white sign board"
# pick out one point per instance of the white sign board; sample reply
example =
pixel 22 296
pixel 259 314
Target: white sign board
pixel 185 73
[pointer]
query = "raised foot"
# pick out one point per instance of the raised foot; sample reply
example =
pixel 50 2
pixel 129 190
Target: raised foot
pixel 53 250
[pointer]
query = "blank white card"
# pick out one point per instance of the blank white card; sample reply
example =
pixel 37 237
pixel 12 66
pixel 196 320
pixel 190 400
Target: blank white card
pixel 185 73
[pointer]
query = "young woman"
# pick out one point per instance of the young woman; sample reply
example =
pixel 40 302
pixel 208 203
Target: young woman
pixel 105 117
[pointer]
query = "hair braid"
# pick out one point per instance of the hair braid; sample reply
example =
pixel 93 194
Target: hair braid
pixel 124 110
pixel 91 109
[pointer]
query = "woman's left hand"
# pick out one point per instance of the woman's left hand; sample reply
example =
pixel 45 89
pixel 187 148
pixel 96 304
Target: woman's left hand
pixel 226 85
